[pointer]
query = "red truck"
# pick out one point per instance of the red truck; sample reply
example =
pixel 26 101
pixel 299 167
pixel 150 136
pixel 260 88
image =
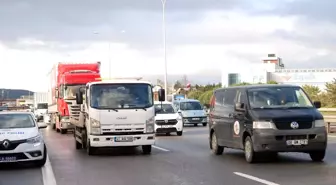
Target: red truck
pixel 66 79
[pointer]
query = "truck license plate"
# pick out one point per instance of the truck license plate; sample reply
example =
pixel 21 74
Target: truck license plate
pixel 297 142
pixel 123 139
pixel 167 126
pixel 195 118
pixel 7 159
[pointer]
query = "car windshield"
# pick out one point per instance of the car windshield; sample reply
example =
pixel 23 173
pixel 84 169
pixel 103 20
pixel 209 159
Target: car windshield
pixel 121 96
pixel 278 97
pixel 42 106
pixel 71 90
pixel 190 106
pixel 8 121
pixel 165 109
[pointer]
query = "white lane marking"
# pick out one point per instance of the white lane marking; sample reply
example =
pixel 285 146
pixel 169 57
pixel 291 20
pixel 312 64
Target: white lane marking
pixel 48 174
pixel 159 148
pixel 255 178
pixel 331 136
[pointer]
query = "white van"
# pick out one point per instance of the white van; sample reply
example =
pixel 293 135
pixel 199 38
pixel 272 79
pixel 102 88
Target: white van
pixel 192 112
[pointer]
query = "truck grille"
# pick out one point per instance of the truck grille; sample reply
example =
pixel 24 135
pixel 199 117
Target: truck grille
pixel 166 122
pixel 74 110
pixel 285 123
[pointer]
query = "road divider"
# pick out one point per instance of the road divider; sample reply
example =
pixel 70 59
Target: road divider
pixel 255 178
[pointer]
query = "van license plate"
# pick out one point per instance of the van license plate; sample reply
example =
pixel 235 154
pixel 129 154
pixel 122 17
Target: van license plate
pixel 195 119
pixel 167 126
pixel 297 142
pixel 123 139
pixel 7 159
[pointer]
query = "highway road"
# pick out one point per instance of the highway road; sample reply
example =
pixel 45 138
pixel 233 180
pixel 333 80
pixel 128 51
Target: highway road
pixel 175 160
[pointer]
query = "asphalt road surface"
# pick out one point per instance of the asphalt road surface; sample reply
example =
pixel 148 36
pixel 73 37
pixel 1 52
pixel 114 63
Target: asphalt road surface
pixel 175 160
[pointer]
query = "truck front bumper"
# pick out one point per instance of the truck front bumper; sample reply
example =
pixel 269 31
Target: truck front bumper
pixel 111 140
pixel 67 125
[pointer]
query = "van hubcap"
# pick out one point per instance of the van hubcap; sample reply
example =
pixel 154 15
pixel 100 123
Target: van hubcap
pixel 214 142
pixel 248 149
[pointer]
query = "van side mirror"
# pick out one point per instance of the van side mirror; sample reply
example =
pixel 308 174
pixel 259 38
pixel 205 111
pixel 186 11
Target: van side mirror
pixel 317 104
pixel 240 107
pixel 162 94
pixel 79 98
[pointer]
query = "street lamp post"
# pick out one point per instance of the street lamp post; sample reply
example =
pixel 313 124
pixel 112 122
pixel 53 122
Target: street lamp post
pixel 164 46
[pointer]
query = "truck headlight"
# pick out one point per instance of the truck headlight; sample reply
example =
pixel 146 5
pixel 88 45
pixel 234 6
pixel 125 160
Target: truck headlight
pixel 262 125
pixel 150 125
pixel 94 123
pixel 319 123
pixel 34 140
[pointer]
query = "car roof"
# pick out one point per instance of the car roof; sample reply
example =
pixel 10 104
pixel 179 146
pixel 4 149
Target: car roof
pixel 16 112
pixel 187 100
pixel 257 86
pixel 164 102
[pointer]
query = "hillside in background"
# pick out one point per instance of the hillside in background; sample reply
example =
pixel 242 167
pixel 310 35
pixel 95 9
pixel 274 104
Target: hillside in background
pixel 14 93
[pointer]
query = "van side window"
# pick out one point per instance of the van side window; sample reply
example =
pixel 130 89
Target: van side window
pixel 241 98
pixel 229 97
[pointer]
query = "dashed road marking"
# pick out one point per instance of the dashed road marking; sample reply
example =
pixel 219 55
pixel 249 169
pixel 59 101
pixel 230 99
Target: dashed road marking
pixel 159 148
pixel 48 174
pixel 255 178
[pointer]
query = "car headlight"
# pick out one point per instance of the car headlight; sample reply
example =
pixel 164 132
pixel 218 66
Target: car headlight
pixel 262 125
pixel 150 125
pixel 94 123
pixel 34 140
pixel 319 123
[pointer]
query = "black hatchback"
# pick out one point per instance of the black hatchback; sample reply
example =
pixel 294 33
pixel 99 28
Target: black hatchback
pixel 266 119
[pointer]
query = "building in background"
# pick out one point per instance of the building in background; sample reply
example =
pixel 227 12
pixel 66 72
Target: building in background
pixel 273 69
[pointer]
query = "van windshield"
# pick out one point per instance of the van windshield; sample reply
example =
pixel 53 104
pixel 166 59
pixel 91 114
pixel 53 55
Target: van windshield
pixel 165 109
pixel 278 97
pixel 190 106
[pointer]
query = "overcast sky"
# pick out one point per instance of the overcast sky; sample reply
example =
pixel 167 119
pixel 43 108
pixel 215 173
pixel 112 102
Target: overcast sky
pixel 202 35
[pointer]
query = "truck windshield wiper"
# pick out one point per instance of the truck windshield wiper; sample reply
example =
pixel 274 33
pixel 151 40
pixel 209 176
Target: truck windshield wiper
pixel 108 108
pixel 131 105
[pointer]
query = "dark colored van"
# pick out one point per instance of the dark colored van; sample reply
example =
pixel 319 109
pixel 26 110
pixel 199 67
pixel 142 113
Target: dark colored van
pixel 266 119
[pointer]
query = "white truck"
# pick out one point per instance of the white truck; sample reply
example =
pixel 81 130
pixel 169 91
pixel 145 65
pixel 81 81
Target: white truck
pixel 115 113
pixel 40 105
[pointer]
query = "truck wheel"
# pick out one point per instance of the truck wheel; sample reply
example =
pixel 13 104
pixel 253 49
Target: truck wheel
pixel 215 148
pixel 146 149
pixel 89 150
pixel 250 155
pixel 317 156
pixel 179 133
pixel 78 145
pixel 204 124
pixel 195 124
pixel 53 126
pixel 63 131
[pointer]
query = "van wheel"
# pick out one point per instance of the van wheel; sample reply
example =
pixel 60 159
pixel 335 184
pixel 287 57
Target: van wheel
pixel 250 155
pixel 63 131
pixel 215 148
pixel 179 133
pixel 146 149
pixel 317 156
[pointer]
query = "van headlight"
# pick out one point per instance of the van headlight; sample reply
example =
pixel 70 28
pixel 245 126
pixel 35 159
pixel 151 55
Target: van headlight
pixel 34 140
pixel 319 123
pixel 150 125
pixel 263 125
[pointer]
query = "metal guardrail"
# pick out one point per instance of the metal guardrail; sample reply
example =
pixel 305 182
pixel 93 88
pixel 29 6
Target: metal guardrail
pixel 330 120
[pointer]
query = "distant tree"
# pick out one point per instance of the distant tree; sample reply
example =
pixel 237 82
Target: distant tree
pixel 272 82
pixel 312 91
pixel 331 93
pixel 240 84
pixel 159 82
pixel 178 84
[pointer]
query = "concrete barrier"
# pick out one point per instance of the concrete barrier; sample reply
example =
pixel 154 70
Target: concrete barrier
pixel 330 119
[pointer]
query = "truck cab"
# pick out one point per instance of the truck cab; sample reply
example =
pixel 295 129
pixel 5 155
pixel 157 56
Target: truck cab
pixel 114 113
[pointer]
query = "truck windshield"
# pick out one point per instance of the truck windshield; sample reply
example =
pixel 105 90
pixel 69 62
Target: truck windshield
pixel 190 106
pixel 70 91
pixel 278 97
pixel 121 96
pixel 42 106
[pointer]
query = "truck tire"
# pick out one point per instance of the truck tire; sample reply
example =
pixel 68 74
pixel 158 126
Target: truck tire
pixel 63 131
pixel 78 145
pixel 89 150
pixel 146 149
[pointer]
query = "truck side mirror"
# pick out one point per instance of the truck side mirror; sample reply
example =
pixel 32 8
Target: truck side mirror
pixel 56 93
pixel 162 94
pixel 239 107
pixel 317 104
pixel 79 98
